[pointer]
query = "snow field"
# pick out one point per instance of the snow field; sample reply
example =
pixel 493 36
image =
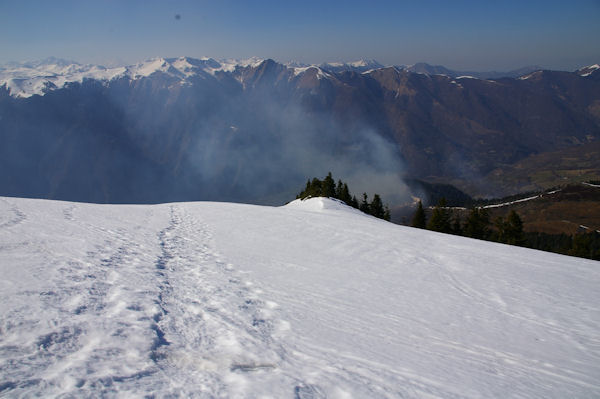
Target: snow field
pixel 309 300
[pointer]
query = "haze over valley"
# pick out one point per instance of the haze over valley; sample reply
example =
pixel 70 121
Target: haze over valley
pixel 200 129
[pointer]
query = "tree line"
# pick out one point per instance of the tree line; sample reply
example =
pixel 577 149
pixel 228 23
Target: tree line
pixel 507 230
pixel 340 191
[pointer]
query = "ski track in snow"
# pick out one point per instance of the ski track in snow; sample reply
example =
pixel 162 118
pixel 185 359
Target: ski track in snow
pixel 180 323
pixel 212 329
pixel 223 300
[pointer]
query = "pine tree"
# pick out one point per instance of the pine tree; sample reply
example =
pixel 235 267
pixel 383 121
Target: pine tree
pixel 477 224
pixel 345 195
pixel 315 188
pixel 515 229
pixel 354 202
pixel 387 215
pixel 328 186
pixel 510 230
pixel 376 207
pixel 304 193
pixel 586 245
pixel 456 227
pixel 418 219
pixel 440 218
pixel 364 205
pixel 338 190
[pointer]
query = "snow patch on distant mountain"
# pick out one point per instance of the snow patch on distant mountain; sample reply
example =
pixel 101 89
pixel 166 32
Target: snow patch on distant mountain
pixel 356 66
pixel 588 70
pixel 319 72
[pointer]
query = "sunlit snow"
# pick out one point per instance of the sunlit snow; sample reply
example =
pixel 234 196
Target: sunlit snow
pixel 310 300
pixel 26 80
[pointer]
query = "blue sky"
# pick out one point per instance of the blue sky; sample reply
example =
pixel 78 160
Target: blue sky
pixel 467 35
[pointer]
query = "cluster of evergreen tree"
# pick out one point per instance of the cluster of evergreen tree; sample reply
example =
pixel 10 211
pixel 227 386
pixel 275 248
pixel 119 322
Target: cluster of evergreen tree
pixel 507 230
pixel 583 245
pixel 328 188
pixel 477 224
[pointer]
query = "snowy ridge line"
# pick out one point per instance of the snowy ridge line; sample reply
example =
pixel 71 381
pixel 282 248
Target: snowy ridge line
pixel 36 78
pixel 587 71
pixel 510 203
pixel 519 200
pixel 591 185
pixel 584 227
pixel 28 79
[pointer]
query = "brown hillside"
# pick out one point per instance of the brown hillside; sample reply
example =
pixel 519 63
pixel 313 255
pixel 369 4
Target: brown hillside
pixel 573 209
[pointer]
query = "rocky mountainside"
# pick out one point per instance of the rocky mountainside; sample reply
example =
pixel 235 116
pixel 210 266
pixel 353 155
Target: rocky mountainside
pixel 427 69
pixel 189 129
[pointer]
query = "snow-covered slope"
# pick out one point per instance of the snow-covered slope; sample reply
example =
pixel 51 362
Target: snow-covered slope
pixel 308 300
pixel 588 70
pixel 356 66
pixel 27 79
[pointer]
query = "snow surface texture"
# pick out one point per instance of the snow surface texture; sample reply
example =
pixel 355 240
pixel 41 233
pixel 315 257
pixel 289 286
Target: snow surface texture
pixel 309 300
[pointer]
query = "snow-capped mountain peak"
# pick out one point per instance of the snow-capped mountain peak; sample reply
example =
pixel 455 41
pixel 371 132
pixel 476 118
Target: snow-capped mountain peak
pixel 361 65
pixel 27 79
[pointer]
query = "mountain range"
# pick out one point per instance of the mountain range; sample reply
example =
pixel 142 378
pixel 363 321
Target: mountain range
pixel 187 129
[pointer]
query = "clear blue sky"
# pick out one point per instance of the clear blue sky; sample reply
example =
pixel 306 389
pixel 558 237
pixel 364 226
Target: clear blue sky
pixel 467 35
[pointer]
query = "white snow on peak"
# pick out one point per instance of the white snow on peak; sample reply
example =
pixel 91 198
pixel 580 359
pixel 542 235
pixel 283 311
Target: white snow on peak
pixel 147 68
pixel 35 78
pixel 530 75
pixel 587 71
pixel 308 300
pixel 319 72
pixel 466 77
pixel 360 65
pixel 27 79
pixel 296 64
pixel 247 62
pixel 363 63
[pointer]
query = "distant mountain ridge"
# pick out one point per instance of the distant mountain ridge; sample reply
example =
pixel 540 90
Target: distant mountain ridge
pixel 441 70
pixel 174 129
pixel 36 77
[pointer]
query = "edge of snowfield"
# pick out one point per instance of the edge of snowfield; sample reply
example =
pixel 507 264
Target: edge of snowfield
pixel 309 300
